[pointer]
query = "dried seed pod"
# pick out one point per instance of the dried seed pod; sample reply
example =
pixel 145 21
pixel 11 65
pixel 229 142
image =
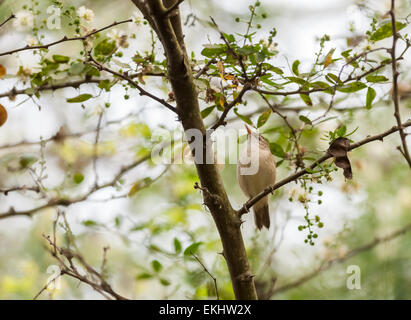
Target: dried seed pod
pixel 338 149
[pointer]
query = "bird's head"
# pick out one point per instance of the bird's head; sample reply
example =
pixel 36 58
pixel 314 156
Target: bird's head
pixel 254 136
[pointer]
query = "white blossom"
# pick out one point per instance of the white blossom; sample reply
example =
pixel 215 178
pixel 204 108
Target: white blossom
pixel 114 35
pixel 24 20
pixel 31 41
pixel 85 13
pixel 136 18
pixel 120 38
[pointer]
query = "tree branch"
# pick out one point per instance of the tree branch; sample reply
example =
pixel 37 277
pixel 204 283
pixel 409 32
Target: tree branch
pixel 173 7
pixel 67 202
pixel 64 39
pixel 182 81
pixel 66 257
pixel 245 208
pixel 395 75
pixel 325 265
pixel 71 84
pixel 12 16
pixel 133 83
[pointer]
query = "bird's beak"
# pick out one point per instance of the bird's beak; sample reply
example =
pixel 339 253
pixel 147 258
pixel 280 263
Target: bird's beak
pixel 248 129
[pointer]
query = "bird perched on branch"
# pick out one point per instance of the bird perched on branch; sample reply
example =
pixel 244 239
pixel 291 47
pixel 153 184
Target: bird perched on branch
pixel 255 171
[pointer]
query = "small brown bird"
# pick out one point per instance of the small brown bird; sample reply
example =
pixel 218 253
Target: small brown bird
pixel 255 171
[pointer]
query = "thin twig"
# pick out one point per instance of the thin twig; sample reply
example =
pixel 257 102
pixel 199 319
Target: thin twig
pixel 245 208
pixel 208 272
pixel 64 39
pixel 12 16
pixel 95 151
pixel 133 83
pixel 325 265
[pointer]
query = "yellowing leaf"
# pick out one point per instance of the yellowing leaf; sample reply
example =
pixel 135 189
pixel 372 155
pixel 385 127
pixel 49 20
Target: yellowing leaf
pixel 220 67
pixel 140 79
pixel 222 100
pixel 235 94
pixel 134 189
pixel 329 58
pixel 3 115
pixel 2 70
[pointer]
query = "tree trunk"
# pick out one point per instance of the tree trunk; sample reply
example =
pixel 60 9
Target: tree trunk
pixel 168 29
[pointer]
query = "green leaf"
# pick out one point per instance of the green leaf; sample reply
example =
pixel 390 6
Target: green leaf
pixel 352 87
pixel 306 98
pixel 295 66
pixel 272 68
pixel 77 68
pixel 89 223
pixel 144 275
pixel 91 71
pixel 177 245
pixel 370 97
pixel 156 265
pixel 206 112
pixel 229 37
pixel 105 84
pixel 247 50
pixel 244 118
pixel 385 30
pixel 267 80
pixel 340 132
pixel 262 119
pixel 376 78
pixel 192 249
pixel 61 59
pixel 212 51
pixel 277 150
pixel 297 80
pixel 319 85
pixel 305 120
pixel 332 78
pixel 105 48
pixel 165 282
pixel 346 53
pixel 27 161
pixel 81 98
pixel 78 178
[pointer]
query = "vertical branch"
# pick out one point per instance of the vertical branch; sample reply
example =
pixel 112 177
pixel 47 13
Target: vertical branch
pixel 228 223
pixel 404 150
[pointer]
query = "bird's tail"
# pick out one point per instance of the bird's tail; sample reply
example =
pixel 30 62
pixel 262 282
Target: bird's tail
pixel 262 215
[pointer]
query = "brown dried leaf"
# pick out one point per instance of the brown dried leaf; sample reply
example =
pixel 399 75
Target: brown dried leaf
pixel 344 163
pixel 339 147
